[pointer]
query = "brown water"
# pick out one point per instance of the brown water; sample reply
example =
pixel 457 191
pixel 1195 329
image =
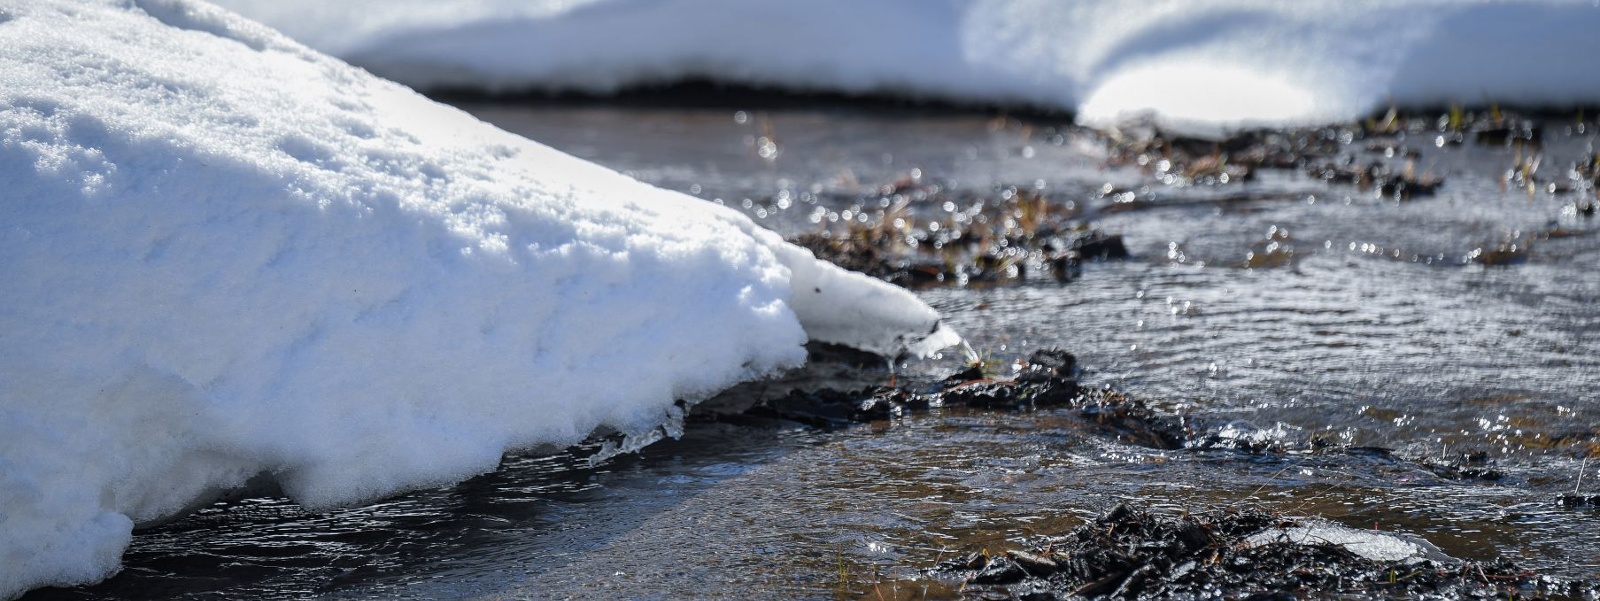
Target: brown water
pixel 1376 330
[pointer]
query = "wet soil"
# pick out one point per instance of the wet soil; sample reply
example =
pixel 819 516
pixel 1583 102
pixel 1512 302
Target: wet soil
pixel 1131 553
pixel 1206 551
pixel 1016 231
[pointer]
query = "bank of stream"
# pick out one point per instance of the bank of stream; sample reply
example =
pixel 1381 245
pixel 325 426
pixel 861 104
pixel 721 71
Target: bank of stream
pixel 1391 326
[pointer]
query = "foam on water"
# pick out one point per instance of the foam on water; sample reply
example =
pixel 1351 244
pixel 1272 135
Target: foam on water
pixel 1197 64
pixel 225 255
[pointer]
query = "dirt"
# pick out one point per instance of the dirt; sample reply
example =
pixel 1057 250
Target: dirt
pixel 1016 232
pixel 1017 235
pixel 1048 379
pixel 1135 553
pixel 1204 553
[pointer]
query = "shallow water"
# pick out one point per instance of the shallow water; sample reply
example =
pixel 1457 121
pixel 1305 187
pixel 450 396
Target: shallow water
pixel 1376 331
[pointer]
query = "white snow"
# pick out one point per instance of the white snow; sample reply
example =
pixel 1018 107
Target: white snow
pixel 223 254
pixel 1191 63
pixel 1370 544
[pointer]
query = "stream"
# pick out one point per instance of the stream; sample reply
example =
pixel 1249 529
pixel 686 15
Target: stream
pixel 1371 327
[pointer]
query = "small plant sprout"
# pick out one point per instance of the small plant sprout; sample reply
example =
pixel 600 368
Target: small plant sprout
pixel 1390 122
pixel 985 361
pixel 844 572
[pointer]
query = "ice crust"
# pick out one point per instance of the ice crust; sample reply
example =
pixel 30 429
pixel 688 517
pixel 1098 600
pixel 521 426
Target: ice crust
pixel 223 254
pixel 1369 544
pixel 1199 64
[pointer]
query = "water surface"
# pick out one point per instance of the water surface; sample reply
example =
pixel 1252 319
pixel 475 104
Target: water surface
pixel 1374 329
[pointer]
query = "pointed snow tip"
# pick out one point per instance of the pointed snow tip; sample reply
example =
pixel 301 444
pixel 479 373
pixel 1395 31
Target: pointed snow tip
pixel 942 337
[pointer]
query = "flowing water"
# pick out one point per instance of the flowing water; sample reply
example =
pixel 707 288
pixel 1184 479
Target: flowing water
pixel 1370 327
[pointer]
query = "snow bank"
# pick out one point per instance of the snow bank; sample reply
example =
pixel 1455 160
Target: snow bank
pixel 224 254
pixel 1197 62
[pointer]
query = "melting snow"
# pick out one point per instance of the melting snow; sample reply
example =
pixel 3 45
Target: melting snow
pixel 224 254
pixel 1192 63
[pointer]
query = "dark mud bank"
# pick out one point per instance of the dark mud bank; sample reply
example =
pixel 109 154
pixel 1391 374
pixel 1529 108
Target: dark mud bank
pixel 1131 553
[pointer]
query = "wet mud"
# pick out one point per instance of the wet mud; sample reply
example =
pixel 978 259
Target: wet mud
pixel 1201 551
pixel 1248 553
pixel 1015 232
pixel 1204 551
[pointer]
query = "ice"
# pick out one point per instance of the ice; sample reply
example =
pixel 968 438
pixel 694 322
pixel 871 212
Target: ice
pixel 1199 64
pixel 1370 544
pixel 223 255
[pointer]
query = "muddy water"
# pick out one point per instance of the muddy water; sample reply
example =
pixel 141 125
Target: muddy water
pixel 1368 326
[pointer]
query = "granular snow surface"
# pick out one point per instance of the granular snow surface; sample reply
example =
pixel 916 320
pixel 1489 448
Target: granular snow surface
pixel 225 255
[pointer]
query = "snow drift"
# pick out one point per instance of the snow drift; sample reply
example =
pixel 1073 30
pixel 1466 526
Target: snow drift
pixel 224 254
pixel 1195 62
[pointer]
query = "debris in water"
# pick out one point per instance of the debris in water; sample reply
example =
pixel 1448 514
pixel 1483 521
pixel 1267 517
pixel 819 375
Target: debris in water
pixel 1134 553
pixel 1008 237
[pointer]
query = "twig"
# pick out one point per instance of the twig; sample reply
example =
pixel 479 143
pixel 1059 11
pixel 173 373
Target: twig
pixel 1581 469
